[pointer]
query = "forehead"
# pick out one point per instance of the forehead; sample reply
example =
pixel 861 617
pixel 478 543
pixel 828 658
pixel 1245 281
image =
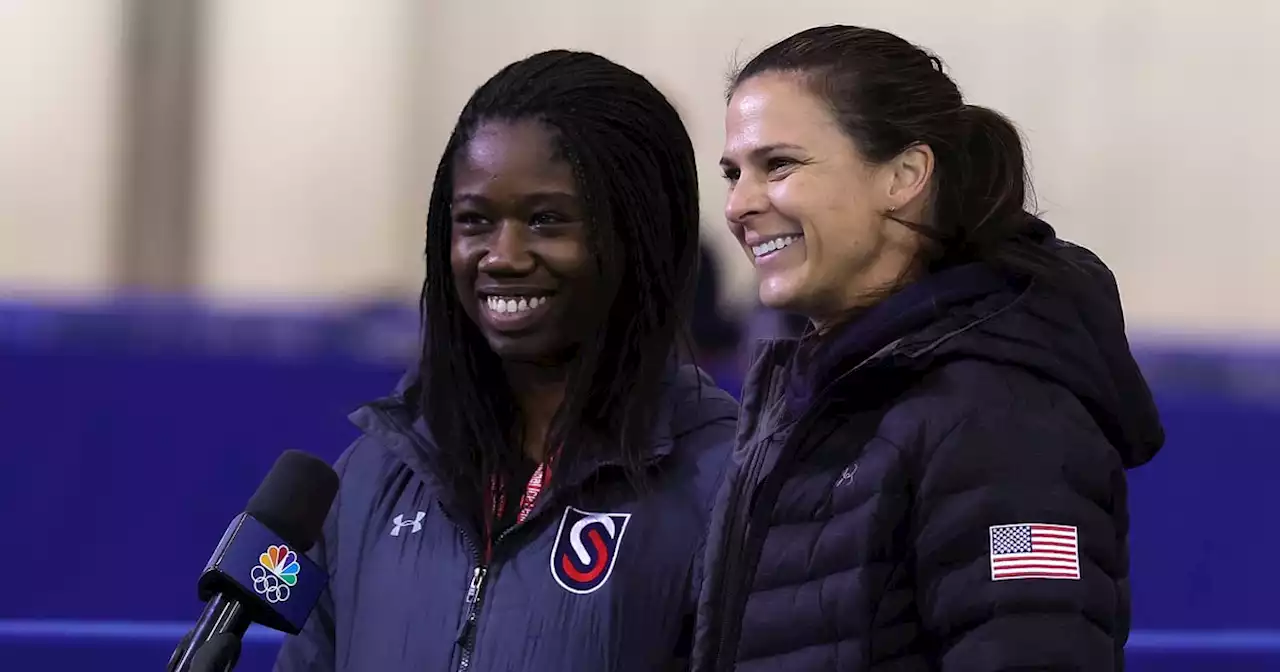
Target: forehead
pixel 520 151
pixel 776 108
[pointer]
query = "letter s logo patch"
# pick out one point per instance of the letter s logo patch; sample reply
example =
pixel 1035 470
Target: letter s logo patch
pixel 586 549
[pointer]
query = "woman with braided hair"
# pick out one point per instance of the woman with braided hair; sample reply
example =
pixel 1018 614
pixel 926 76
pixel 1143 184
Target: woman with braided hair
pixel 533 496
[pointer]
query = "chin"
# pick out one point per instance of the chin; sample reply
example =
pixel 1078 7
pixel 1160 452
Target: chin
pixel 509 349
pixel 528 350
pixel 778 295
pixel 770 300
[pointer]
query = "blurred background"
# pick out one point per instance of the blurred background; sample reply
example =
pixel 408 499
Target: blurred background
pixel 211 245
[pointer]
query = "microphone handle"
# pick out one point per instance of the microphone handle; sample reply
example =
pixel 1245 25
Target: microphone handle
pixel 217 655
pixel 222 623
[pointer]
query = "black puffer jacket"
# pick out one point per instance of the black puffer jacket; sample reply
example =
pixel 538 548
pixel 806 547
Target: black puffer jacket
pixel 939 485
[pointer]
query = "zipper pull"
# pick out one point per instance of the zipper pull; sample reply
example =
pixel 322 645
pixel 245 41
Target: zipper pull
pixel 473 590
pixel 472 601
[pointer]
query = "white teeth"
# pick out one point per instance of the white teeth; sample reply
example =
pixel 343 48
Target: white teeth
pixel 773 245
pixel 514 304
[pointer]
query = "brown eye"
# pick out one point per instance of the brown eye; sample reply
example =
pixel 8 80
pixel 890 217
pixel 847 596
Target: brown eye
pixel 779 163
pixel 469 222
pixel 548 219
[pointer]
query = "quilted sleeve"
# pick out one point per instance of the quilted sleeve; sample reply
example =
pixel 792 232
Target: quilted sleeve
pixel 1020 545
pixel 716 441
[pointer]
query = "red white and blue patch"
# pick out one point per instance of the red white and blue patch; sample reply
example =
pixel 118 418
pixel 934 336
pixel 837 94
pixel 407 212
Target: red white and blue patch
pixel 1034 551
pixel 586 549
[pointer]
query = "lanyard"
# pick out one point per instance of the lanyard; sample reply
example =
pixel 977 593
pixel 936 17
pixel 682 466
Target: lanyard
pixel 540 478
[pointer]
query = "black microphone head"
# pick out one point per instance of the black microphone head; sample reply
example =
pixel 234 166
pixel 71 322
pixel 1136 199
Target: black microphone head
pixel 294 499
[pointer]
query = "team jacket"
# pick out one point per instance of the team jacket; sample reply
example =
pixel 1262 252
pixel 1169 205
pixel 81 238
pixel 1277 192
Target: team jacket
pixel 597 578
pixel 937 485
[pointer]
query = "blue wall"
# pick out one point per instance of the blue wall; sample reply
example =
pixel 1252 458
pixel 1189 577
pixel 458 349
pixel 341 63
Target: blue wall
pixel 132 433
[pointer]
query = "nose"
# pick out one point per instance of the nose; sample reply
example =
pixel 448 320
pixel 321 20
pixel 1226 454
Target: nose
pixel 509 252
pixel 747 198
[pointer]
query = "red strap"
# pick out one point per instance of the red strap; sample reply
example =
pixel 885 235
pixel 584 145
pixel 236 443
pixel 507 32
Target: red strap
pixel 541 478
pixel 531 491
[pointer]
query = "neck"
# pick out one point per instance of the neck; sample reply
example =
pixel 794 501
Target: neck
pixel 539 391
pixel 877 285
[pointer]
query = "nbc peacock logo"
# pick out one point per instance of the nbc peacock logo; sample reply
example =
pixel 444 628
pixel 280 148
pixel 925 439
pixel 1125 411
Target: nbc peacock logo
pixel 275 573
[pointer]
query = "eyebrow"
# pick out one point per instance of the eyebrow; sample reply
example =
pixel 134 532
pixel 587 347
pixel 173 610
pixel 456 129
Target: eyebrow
pixel 535 197
pixel 757 152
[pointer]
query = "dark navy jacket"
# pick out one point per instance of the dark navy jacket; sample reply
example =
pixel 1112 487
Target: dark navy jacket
pixel 877 467
pixel 564 591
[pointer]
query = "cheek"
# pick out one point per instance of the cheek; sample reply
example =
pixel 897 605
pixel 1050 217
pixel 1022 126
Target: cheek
pixel 457 259
pixel 834 215
pixel 463 259
pixel 569 258
pixel 801 200
pixel 785 197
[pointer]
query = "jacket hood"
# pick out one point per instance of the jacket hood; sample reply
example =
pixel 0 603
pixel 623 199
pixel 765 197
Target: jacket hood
pixel 1070 331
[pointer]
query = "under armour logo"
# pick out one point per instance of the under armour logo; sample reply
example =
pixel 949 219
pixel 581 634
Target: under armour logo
pixel 401 523
pixel 846 476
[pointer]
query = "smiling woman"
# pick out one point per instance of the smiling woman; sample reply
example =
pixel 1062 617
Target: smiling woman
pixel 550 414
pixel 805 205
pixel 949 443
pixel 520 255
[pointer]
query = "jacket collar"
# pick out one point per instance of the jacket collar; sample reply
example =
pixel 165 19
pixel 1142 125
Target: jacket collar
pixel 395 421
pixel 925 311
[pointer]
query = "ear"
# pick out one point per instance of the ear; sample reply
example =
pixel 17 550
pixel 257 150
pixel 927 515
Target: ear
pixel 908 176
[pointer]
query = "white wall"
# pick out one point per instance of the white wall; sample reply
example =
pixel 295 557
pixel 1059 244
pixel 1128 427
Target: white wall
pixel 1150 123
pixel 59 77
pixel 305 185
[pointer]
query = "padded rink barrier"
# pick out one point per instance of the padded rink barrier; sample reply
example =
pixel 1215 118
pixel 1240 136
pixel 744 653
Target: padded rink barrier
pixel 131 433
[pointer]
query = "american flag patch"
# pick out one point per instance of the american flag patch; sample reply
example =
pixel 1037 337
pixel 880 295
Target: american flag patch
pixel 1034 551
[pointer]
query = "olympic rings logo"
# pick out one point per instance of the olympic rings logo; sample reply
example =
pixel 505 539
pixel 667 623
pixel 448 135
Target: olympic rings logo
pixel 268 585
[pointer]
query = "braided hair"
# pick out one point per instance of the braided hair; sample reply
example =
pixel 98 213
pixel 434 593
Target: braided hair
pixel 634 165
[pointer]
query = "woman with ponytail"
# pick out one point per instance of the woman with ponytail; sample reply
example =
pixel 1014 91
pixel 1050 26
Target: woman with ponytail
pixel 933 476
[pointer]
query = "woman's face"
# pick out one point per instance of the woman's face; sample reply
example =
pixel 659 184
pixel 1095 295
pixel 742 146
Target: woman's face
pixel 807 208
pixel 520 258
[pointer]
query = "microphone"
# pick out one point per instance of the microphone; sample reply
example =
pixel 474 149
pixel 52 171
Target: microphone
pixel 259 572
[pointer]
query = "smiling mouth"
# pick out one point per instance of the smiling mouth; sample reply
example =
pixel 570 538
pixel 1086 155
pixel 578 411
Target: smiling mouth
pixel 773 245
pixel 513 305
pixel 515 312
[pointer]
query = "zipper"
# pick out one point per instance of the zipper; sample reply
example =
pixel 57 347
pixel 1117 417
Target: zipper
pixel 467 635
pixel 474 601
pixel 755 501
pixel 475 589
pixel 734 587
pixel 759 504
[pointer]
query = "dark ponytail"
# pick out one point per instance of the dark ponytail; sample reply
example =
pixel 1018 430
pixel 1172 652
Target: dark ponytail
pixel 982 200
pixel 888 95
